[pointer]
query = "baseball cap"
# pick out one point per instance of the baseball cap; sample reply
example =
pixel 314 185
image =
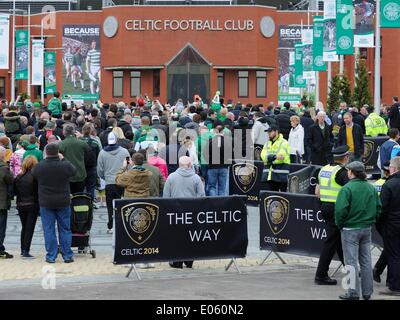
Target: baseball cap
pixel 273 128
pixel 356 166
pixel 112 138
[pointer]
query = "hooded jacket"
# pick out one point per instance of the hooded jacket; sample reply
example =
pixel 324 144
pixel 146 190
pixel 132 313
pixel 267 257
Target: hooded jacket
pixel 110 160
pixel 33 150
pixel 183 183
pixel 135 181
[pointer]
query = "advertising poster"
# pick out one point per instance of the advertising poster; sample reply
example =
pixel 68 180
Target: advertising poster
pixel 330 31
pixel 37 62
pixel 81 62
pixel 4 40
pixel 288 36
pixel 50 72
pixel 344 26
pixel 21 54
pixel 318 44
pixel 307 40
pixel 299 81
pixel 364 32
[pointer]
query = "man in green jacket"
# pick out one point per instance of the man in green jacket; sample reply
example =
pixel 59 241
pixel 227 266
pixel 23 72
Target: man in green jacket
pixel 33 149
pixel 357 208
pixel 75 151
pixel 54 106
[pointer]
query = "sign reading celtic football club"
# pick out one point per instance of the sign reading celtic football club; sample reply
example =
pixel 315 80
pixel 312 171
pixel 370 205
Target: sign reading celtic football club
pixel 344 26
pixel 318 44
pixel 390 14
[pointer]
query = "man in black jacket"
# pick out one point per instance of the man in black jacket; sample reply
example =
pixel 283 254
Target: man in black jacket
pixel 306 121
pixel 390 222
pixel 321 141
pixel 358 118
pixel 53 175
pixel 351 134
pixel 394 114
pixel 283 120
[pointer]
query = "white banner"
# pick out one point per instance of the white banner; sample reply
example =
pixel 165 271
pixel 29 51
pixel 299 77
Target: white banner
pixel 330 9
pixel 330 31
pixel 4 41
pixel 307 36
pixel 37 62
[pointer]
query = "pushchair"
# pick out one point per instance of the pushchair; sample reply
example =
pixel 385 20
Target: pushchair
pixel 81 222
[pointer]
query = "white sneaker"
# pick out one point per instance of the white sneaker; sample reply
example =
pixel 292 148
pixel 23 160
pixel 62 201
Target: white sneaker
pixel 110 231
pixel 95 205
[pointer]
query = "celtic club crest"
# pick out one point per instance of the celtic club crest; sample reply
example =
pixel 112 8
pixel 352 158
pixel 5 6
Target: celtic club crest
pixel 299 79
pixel 344 42
pixel 391 11
pixel 245 176
pixel 140 220
pixel 318 61
pixel 277 213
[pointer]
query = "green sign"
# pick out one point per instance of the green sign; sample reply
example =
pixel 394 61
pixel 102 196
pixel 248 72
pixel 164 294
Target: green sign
pixel 344 27
pixel 299 81
pixel 318 44
pixel 21 54
pixel 390 14
pixel 49 72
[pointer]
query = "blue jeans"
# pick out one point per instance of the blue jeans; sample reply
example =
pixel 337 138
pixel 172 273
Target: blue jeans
pixel 217 181
pixel 356 245
pixel 3 227
pixel 63 218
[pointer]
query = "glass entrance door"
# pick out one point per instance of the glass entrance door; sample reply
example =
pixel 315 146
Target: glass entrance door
pixel 188 75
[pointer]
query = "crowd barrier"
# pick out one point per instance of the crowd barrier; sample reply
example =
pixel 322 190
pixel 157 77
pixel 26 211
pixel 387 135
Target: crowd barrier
pixel 161 229
pixel 293 223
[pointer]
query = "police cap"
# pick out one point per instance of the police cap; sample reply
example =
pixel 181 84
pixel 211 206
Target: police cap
pixel 340 152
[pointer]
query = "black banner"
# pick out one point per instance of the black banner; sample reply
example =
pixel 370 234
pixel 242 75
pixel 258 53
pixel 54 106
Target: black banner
pixel 293 223
pixel 161 230
pixel 371 153
pixel 245 179
pixel 304 180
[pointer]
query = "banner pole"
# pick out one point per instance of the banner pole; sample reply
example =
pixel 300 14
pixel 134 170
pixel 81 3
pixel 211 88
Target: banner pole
pixel 13 58
pixel 329 76
pixel 42 86
pixel 29 53
pixel 377 76
pixel 133 267
pixel 233 261
pixel 341 66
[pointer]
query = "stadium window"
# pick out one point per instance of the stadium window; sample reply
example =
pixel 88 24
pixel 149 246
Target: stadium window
pixel 243 77
pixel 221 82
pixel 2 88
pixel 135 83
pixel 261 84
pixel 156 83
pixel 118 83
pixel 363 53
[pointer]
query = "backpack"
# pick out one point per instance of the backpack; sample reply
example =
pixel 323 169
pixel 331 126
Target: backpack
pixel 92 154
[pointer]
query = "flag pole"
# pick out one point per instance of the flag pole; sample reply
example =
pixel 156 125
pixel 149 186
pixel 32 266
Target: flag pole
pixel 13 58
pixel 29 52
pixel 377 68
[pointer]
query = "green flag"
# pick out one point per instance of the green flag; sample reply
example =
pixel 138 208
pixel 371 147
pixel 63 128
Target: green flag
pixel 390 14
pixel 50 72
pixel 299 81
pixel 318 44
pixel 344 27
pixel 21 54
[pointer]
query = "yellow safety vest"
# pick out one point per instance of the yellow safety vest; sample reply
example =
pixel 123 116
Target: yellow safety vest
pixel 279 146
pixel 375 125
pixel 329 188
pixel 378 185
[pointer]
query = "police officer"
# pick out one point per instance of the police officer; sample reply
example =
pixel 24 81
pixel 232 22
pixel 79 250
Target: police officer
pixel 331 179
pixel 374 124
pixel 381 264
pixel 276 157
pixel 386 173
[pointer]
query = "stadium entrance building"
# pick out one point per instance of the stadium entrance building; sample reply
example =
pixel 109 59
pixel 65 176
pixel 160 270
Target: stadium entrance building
pixel 171 52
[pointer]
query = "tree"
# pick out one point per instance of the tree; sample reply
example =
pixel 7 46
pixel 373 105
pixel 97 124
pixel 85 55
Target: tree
pixel 345 91
pixel 362 94
pixel 334 94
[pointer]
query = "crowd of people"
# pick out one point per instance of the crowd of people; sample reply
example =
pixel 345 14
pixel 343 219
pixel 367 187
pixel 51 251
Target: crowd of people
pixel 148 149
